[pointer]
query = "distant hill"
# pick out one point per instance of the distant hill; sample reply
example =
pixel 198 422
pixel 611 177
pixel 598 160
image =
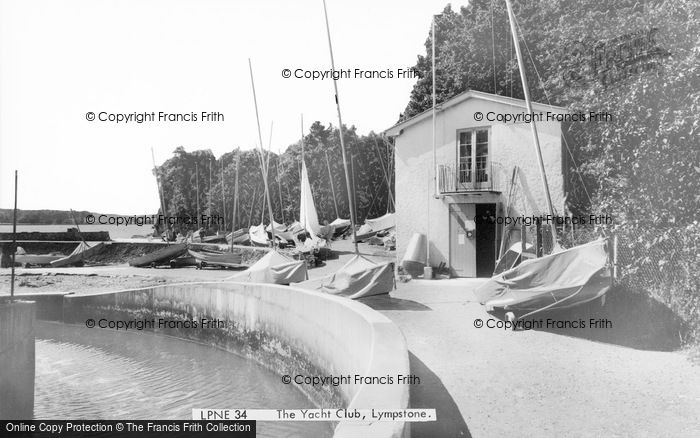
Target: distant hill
pixel 44 217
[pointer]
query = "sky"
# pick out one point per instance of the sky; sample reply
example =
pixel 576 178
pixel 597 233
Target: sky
pixel 61 59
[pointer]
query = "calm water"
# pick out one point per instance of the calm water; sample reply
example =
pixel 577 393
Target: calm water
pixel 115 232
pixel 103 374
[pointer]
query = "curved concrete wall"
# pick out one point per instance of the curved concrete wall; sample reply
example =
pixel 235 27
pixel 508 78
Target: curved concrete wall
pixel 16 360
pixel 291 330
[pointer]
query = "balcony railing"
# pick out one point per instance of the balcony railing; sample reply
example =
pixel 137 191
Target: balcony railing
pixel 486 177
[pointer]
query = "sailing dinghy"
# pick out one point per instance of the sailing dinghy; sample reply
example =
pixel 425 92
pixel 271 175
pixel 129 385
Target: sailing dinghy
pixel 557 281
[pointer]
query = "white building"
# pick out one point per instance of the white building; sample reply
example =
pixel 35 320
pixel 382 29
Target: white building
pixel 475 154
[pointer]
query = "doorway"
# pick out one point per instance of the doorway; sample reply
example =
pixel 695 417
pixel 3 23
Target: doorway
pixel 486 243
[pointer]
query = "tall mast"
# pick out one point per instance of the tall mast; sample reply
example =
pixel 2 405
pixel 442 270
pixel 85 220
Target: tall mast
pixel 435 188
pixel 223 194
pixel 535 137
pixel 161 196
pixel 252 205
pixel 14 243
pixel 386 176
pixel 235 203
pixel 340 131
pixel 330 177
pixel 196 175
pixel 262 154
pixel 209 191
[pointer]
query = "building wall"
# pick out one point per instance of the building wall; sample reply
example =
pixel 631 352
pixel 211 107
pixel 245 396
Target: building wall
pixel 511 145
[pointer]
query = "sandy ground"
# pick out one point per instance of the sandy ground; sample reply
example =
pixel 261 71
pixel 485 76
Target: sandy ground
pixel 482 381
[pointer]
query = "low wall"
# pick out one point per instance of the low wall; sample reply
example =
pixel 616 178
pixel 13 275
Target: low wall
pixel 290 330
pixel 16 360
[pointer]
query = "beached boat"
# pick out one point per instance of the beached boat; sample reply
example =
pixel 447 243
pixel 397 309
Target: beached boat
pixel 340 226
pixel 358 278
pixel 79 255
pixel 160 257
pixel 238 237
pixel 217 259
pixel 26 260
pixel 275 268
pixel 372 227
pixel 557 281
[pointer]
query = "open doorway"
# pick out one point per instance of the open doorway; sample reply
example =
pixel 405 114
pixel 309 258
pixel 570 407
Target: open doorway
pixel 485 239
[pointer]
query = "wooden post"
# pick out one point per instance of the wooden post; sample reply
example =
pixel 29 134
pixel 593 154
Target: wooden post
pixel 14 243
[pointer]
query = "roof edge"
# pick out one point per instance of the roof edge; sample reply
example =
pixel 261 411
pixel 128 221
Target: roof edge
pixel 466 95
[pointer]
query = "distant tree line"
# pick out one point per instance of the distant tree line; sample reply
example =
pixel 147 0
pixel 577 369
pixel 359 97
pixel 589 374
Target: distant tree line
pixel 43 217
pixel 370 158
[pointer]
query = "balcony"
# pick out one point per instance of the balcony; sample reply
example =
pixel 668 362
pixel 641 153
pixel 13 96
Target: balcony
pixel 485 177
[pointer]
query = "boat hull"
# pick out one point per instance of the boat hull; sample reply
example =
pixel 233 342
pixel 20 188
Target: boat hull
pixel 160 257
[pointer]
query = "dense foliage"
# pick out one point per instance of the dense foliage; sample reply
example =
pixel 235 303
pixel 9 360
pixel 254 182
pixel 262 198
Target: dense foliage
pixel 367 155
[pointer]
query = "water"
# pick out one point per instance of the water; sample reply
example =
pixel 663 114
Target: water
pixel 103 374
pixel 115 232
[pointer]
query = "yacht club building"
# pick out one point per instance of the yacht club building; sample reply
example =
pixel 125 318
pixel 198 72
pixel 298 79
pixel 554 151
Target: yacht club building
pixel 484 145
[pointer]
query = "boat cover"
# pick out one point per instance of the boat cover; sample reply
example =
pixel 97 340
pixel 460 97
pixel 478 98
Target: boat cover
pixel 360 277
pixel 340 223
pixel 258 235
pixel 227 259
pixel 279 228
pixel 382 223
pixel 274 268
pixel 556 281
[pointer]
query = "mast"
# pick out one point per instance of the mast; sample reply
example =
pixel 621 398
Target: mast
pixel 340 132
pixel 386 175
pixel 223 194
pixel 330 177
pixel 435 188
pixel 262 154
pixel 235 203
pixel 279 186
pixel 160 187
pixel 252 205
pixel 209 191
pixel 14 243
pixel 196 176
pixel 535 137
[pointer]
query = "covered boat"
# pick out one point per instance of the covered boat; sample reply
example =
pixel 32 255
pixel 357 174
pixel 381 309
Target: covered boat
pixel 340 226
pixel 217 259
pixel 358 278
pixel 258 235
pixel 274 268
pixel 79 254
pixel 160 257
pixel 374 226
pixel 556 281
